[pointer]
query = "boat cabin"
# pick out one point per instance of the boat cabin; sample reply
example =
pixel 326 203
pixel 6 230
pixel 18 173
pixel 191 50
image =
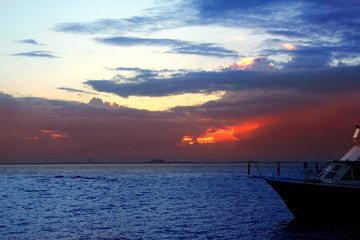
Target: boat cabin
pixel 347 169
pixel 341 172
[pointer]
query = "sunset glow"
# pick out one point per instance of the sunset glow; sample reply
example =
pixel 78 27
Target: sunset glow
pixel 225 134
pixel 129 81
pixel 187 140
pixel 214 135
pixel 288 46
pixel 244 129
pixel 30 138
pixel 204 140
pixel 244 64
pixel 54 134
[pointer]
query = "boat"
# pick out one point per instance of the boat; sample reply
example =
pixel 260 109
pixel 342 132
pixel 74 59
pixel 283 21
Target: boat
pixel 333 194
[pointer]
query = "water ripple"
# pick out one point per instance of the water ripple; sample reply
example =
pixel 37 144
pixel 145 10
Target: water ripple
pixel 178 201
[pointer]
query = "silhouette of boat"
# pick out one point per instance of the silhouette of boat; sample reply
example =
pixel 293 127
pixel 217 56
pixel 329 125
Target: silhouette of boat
pixel 333 194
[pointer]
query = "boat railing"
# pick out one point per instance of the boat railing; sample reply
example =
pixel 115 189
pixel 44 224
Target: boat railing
pixel 299 170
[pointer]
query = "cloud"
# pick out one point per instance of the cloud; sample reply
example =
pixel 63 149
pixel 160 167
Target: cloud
pixel 76 90
pixel 286 33
pixel 250 63
pixel 103 26
pixel 177 46
pixel 322 31
pixel 179 14
pixel 288 46
pixel 52 133
pixel 279 123
pixel 40 129
pixel 149 72
pixel 266 15
pixel 257 124
pixel 303 101
pixel 30 41
pixel 100 102
pixel 142 75
pixel 38 54
pixel 218 135
pixel 325 81
pixel 310 19
pixel 165 15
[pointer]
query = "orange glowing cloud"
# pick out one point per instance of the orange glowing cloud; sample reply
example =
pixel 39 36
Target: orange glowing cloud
pixel 225 134
pixel 54 134
pixel 51 133
pixel 214 135
pixel 204 140
pixel 244 64
pixel 187 140
pixel 288 46
pixel 46 131
pixel 243 130
pixel 30 138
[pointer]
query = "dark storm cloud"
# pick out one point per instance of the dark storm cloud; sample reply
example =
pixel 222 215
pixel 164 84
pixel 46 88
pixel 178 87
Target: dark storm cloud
pixel 177 46
pixel 37 54
pixel 324 81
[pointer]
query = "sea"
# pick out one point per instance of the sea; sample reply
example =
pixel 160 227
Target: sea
pixel 149 201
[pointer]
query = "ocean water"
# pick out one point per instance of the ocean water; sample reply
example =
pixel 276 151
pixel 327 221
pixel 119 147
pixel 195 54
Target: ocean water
pixel 148 201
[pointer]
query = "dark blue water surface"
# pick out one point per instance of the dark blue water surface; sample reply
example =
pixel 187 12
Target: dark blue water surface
pixel 147 201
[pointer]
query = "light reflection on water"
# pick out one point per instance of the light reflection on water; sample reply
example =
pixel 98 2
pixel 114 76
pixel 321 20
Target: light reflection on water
pixel 144 201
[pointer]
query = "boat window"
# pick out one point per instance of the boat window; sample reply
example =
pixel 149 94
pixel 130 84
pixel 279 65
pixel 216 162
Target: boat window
pixel 356 174
pixel 337 168
pixel 347 176
pixel 330 175
pixel 334 171
pixel 327 168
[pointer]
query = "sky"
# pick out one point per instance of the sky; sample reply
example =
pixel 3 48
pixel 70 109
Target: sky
pixel 195 80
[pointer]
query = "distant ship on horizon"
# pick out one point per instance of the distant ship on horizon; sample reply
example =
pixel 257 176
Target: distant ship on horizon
pixel 158 161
